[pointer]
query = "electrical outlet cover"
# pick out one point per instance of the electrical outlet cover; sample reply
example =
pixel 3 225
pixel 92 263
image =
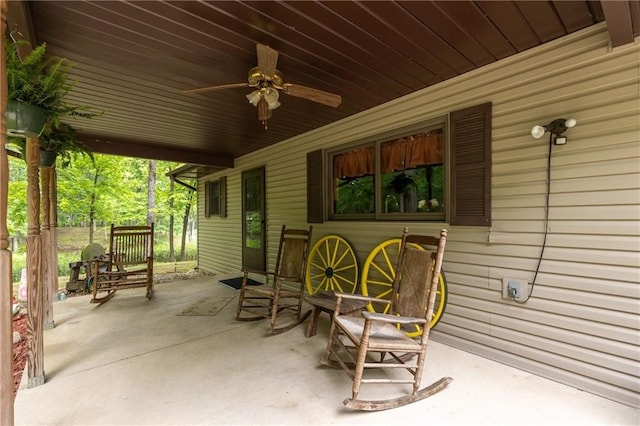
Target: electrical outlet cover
pixel 519 283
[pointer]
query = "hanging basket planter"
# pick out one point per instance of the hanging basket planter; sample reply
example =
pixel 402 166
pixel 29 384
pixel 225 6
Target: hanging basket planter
pixel 400 183
pixel 18 149
pixel 24 120
pixel 47 158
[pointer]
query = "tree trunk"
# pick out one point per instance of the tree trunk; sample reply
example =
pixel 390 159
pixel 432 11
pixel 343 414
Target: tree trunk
pixel 172 252
pixel 151 194
pixel 185 225
pixel 92 205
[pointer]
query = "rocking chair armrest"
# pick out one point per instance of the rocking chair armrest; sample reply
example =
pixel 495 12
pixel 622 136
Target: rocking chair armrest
pixel 394 319
pixel 103 263
pixel 256 271
pixel 337 294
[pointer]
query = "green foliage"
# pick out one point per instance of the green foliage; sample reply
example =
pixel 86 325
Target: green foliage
pixel 118 186
pixel 253 230
pixel 62 140
pixel 413 190
pixel 355 196
pixel 42 82
pixel 17 198
pixel 161 252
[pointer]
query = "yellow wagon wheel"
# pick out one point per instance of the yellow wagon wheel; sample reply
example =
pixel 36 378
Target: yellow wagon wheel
pixel 332 266
pixel 379 272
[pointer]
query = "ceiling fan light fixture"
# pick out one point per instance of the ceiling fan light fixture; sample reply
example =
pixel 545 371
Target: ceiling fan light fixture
pixel 254 97
pixel 271 95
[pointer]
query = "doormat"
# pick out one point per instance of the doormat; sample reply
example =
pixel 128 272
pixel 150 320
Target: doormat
pixel 206 306
pixel 237 282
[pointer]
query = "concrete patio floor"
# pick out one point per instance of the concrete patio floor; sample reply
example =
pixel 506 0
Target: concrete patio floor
pixel 137 362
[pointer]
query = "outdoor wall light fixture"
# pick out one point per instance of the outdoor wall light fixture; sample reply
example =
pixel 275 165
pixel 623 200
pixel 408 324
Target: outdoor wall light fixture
pixel 556 128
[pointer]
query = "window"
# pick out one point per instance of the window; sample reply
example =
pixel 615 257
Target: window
pixel 412 174
pixel 353 182
pixel 394 177
pixel 215 198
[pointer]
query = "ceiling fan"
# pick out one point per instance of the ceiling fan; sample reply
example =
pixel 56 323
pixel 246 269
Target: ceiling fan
pixel 267 82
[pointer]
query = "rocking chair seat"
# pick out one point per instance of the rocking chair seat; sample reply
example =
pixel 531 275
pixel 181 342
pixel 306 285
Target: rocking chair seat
pixel 383 337
pixel 268 291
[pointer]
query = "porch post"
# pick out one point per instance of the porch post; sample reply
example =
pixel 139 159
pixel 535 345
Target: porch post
pixel 53 222
pixel 6 287
pixel 35 296
pixel 49 275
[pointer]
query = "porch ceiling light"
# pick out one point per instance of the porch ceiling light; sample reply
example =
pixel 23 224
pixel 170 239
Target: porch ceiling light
pixel 266 100
pixel 271 95
pixel 556 128
pixel 254 97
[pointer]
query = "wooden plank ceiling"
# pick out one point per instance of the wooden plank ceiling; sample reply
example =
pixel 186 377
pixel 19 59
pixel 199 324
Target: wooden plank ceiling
pixel 135 59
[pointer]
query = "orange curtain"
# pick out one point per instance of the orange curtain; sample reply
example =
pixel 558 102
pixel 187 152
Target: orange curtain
pixel 355 163
pixel 421 149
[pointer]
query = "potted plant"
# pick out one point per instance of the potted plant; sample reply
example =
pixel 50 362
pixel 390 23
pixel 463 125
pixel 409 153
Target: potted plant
pixel 400 183
pixel 60 141
pixel 37 87
pixel 55 142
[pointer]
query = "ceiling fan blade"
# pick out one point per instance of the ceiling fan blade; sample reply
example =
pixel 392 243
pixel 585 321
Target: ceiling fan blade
pixel 311 94
pixel 267 59
pixel 220 87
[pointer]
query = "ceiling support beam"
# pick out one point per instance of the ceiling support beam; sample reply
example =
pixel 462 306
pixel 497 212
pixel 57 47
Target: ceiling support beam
pixel 622 21
pixel 154 152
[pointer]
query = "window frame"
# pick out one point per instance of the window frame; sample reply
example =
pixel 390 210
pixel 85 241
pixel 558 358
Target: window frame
pixel 468 170
pixel 376 142
pixel 215 197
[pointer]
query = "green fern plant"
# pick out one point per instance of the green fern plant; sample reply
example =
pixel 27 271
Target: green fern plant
pixel 41 82
pixel 64 142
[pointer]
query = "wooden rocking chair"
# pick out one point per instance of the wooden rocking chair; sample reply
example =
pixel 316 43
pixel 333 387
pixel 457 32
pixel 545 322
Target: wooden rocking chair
pixel 353 340
pixel 281 296
pixel 128 263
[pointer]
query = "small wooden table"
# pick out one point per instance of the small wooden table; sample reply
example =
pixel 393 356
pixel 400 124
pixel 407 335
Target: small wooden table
pixel 326 302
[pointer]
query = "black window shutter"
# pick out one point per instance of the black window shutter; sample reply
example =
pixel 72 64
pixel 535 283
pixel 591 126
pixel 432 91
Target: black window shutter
pixel 207 198
pixel 471 166
pixel 222 185
pixel 315 195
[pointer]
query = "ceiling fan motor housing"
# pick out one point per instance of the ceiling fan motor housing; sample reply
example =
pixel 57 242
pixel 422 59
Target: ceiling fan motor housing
pixel 258 78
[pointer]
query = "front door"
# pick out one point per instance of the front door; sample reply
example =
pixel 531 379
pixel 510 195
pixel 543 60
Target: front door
pixel 254 251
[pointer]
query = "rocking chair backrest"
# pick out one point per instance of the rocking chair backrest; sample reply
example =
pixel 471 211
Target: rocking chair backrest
pixel 292 254
pixel 415 276
pixel 131 245
pixel 415 273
